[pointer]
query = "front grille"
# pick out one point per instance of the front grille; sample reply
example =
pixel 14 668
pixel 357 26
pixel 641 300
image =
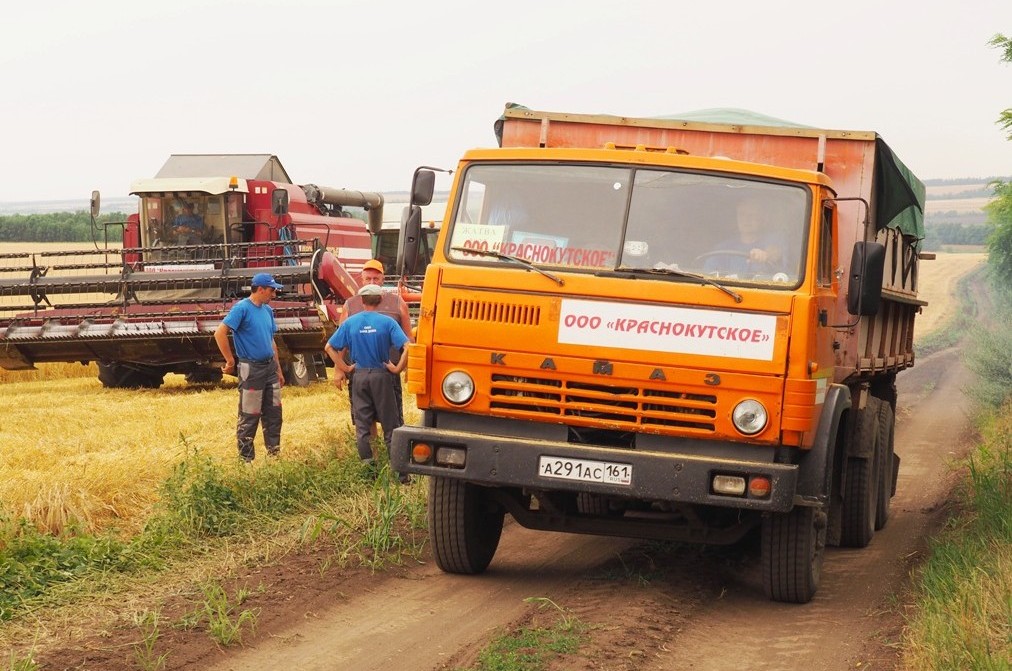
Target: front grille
pixel 495 312
pixel 625 406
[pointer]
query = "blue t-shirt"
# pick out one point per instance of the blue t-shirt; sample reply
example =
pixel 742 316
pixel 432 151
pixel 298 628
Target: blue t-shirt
pixel 368 337
pixel 253 329
pixel 194 221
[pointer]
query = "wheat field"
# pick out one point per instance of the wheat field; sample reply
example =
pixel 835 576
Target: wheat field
pixel 77 454
pixel 74 454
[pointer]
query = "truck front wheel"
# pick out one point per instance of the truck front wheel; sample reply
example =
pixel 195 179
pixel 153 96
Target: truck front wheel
pixel 464 525
pixel 793 549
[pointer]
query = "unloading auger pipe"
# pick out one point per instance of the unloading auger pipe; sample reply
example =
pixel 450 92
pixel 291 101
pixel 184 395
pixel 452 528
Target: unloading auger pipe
pixel 371 202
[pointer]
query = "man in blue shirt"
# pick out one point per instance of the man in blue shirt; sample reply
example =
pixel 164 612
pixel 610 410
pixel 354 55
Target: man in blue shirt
pixel 251 324
pixel 188 226
pixel 368 337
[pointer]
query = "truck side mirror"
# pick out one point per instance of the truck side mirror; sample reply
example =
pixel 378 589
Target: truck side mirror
pixel 279 202
pixel 423 186
pixel 867 265
pixel 411 232
pixel 96 204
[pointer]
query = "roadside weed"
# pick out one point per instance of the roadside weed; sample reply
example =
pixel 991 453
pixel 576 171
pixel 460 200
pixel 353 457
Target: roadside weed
pixel 148 622
pixel 529 649
pixel 533 648
pixel 22 663
pixel 224 624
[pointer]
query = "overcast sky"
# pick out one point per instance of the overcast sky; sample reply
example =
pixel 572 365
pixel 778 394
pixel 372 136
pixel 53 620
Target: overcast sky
pixel 357 94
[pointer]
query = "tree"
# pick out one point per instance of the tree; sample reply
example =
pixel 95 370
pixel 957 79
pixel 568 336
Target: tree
pixel 999 211
pixel 1005 44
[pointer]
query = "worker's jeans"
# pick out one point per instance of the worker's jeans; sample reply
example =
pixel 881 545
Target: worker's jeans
pixel 259 402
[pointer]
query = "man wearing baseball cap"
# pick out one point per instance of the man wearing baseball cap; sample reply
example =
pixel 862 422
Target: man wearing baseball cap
pixel 392 305
pixel 252 326
pixel 367 339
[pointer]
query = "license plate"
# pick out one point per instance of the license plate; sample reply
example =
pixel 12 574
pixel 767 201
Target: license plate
pixel 585 470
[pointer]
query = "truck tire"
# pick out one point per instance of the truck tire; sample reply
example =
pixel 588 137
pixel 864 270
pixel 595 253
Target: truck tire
pixel 301 371
pixel 464 526
pixel 861 491
pixel 793 550
pixel 886 434
pixel 122 376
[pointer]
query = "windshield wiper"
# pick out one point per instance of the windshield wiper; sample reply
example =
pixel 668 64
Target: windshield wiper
pixel 515 259
pixel 683 273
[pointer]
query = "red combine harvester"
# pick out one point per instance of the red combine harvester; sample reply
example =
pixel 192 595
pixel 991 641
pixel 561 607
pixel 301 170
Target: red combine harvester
pixel 206 224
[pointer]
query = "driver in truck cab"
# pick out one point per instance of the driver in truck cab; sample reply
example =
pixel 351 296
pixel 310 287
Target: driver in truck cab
pixel 754 248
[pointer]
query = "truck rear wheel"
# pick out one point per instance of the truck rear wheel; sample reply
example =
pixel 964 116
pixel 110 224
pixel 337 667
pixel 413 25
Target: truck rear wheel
pixel 464 525
pixel 122 376
pixel 793 550
pixel 886 433
pixel 861 492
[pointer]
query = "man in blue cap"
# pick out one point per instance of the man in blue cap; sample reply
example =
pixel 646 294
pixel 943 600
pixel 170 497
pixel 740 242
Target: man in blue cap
pixel 251 323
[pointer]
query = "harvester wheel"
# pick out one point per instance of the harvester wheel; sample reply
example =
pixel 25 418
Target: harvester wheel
pixel 886 475
pixel 793 550
pixel 204 375
pixel 301 371
pixel 122 376
pixel 464 525
pixel 861 492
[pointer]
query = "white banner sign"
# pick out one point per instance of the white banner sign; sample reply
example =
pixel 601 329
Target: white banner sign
pixel 667 329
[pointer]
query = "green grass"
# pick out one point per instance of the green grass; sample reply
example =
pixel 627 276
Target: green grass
pixel 221 616
pixel 203 500
pixel 533 648
pixel 149 624
pixel 21 663
pixel 963 617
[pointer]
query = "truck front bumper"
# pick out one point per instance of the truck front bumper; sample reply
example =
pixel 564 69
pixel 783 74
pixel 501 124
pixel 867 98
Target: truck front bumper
pixel 675 476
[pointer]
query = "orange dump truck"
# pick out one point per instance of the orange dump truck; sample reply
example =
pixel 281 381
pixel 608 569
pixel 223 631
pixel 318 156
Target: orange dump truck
pixel 665 328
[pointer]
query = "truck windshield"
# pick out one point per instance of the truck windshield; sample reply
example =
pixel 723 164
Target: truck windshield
pixel 594 218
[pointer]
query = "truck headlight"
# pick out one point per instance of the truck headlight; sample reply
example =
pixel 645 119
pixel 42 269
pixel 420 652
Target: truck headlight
pixel 458 387
pixel 749 417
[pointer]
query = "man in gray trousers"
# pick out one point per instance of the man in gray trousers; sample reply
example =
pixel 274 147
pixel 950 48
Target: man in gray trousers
pixel 368 337
pixel 251 323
